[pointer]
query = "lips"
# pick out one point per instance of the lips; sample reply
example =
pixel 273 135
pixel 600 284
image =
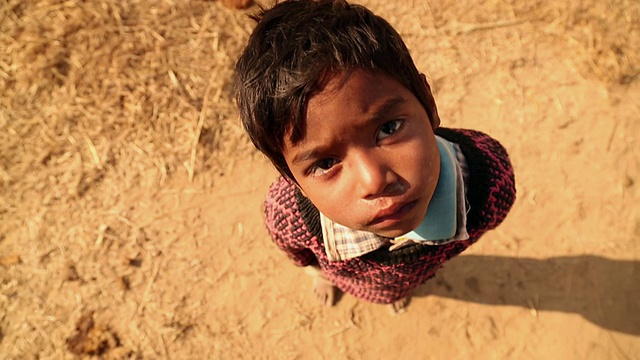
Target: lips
pixel 392 214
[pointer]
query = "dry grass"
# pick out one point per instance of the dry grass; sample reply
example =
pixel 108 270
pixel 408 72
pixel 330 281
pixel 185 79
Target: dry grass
pixel 105 102
pixel 100 99
pixel 87 86
pixel 103 97
pixel 603 36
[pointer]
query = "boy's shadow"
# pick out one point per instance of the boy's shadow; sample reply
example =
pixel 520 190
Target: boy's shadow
pixel 604 291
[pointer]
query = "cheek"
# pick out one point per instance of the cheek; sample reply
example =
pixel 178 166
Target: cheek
pixel 326 198
pixel 336 205
pixel 426 164
pixel 423 155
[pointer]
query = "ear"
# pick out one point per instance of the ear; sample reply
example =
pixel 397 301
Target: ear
pixel 431 102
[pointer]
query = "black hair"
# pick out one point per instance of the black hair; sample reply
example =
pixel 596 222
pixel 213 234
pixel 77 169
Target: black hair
pixel 296 47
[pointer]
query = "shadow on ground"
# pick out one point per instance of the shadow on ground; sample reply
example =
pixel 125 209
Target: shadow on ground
pixel 604 291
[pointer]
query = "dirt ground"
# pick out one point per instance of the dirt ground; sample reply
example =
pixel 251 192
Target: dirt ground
pixel 130 199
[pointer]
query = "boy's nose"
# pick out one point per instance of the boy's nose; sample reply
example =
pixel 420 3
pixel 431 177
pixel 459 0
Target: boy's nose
pixel 375 179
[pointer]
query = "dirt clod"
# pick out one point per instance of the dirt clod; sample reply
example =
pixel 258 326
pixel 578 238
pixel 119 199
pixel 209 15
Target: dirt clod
pixel 91 339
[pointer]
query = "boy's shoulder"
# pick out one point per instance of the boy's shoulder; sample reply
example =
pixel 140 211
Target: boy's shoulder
pixel 479 149
pixel 286 207
pixel 466 136
pixel 491 190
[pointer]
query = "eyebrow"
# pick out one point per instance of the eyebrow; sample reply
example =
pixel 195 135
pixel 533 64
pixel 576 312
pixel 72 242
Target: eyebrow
pixel 380 113
pixel 387 107
pixel 305 156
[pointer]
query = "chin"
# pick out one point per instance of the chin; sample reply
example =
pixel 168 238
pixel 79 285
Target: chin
pixel 394 233
pixel 402 227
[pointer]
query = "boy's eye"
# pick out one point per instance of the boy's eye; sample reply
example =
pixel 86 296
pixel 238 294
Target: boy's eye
pixel 322 167
pixel 388 129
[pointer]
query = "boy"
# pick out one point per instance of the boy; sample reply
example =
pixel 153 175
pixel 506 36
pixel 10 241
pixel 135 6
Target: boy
pixel 373 194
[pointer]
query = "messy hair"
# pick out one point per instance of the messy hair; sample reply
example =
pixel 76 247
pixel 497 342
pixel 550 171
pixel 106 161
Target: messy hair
pixel 296 47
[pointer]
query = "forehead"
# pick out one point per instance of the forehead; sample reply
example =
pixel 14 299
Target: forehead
pixel 349 99
pixel 346 105
pixel 356 91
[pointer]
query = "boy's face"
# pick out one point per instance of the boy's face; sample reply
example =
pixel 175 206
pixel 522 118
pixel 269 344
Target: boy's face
pixel 368 159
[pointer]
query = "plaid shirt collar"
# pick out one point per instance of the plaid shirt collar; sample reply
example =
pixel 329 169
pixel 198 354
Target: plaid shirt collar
pixel 342 243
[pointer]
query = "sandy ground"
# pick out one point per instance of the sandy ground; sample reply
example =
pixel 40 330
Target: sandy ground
pixel 130 200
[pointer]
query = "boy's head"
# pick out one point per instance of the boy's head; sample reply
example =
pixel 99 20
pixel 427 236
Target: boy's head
pixel 329 92
pixel 296 47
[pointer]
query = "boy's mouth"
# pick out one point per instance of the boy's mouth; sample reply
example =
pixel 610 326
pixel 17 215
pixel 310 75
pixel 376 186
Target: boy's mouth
pixel 392 214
